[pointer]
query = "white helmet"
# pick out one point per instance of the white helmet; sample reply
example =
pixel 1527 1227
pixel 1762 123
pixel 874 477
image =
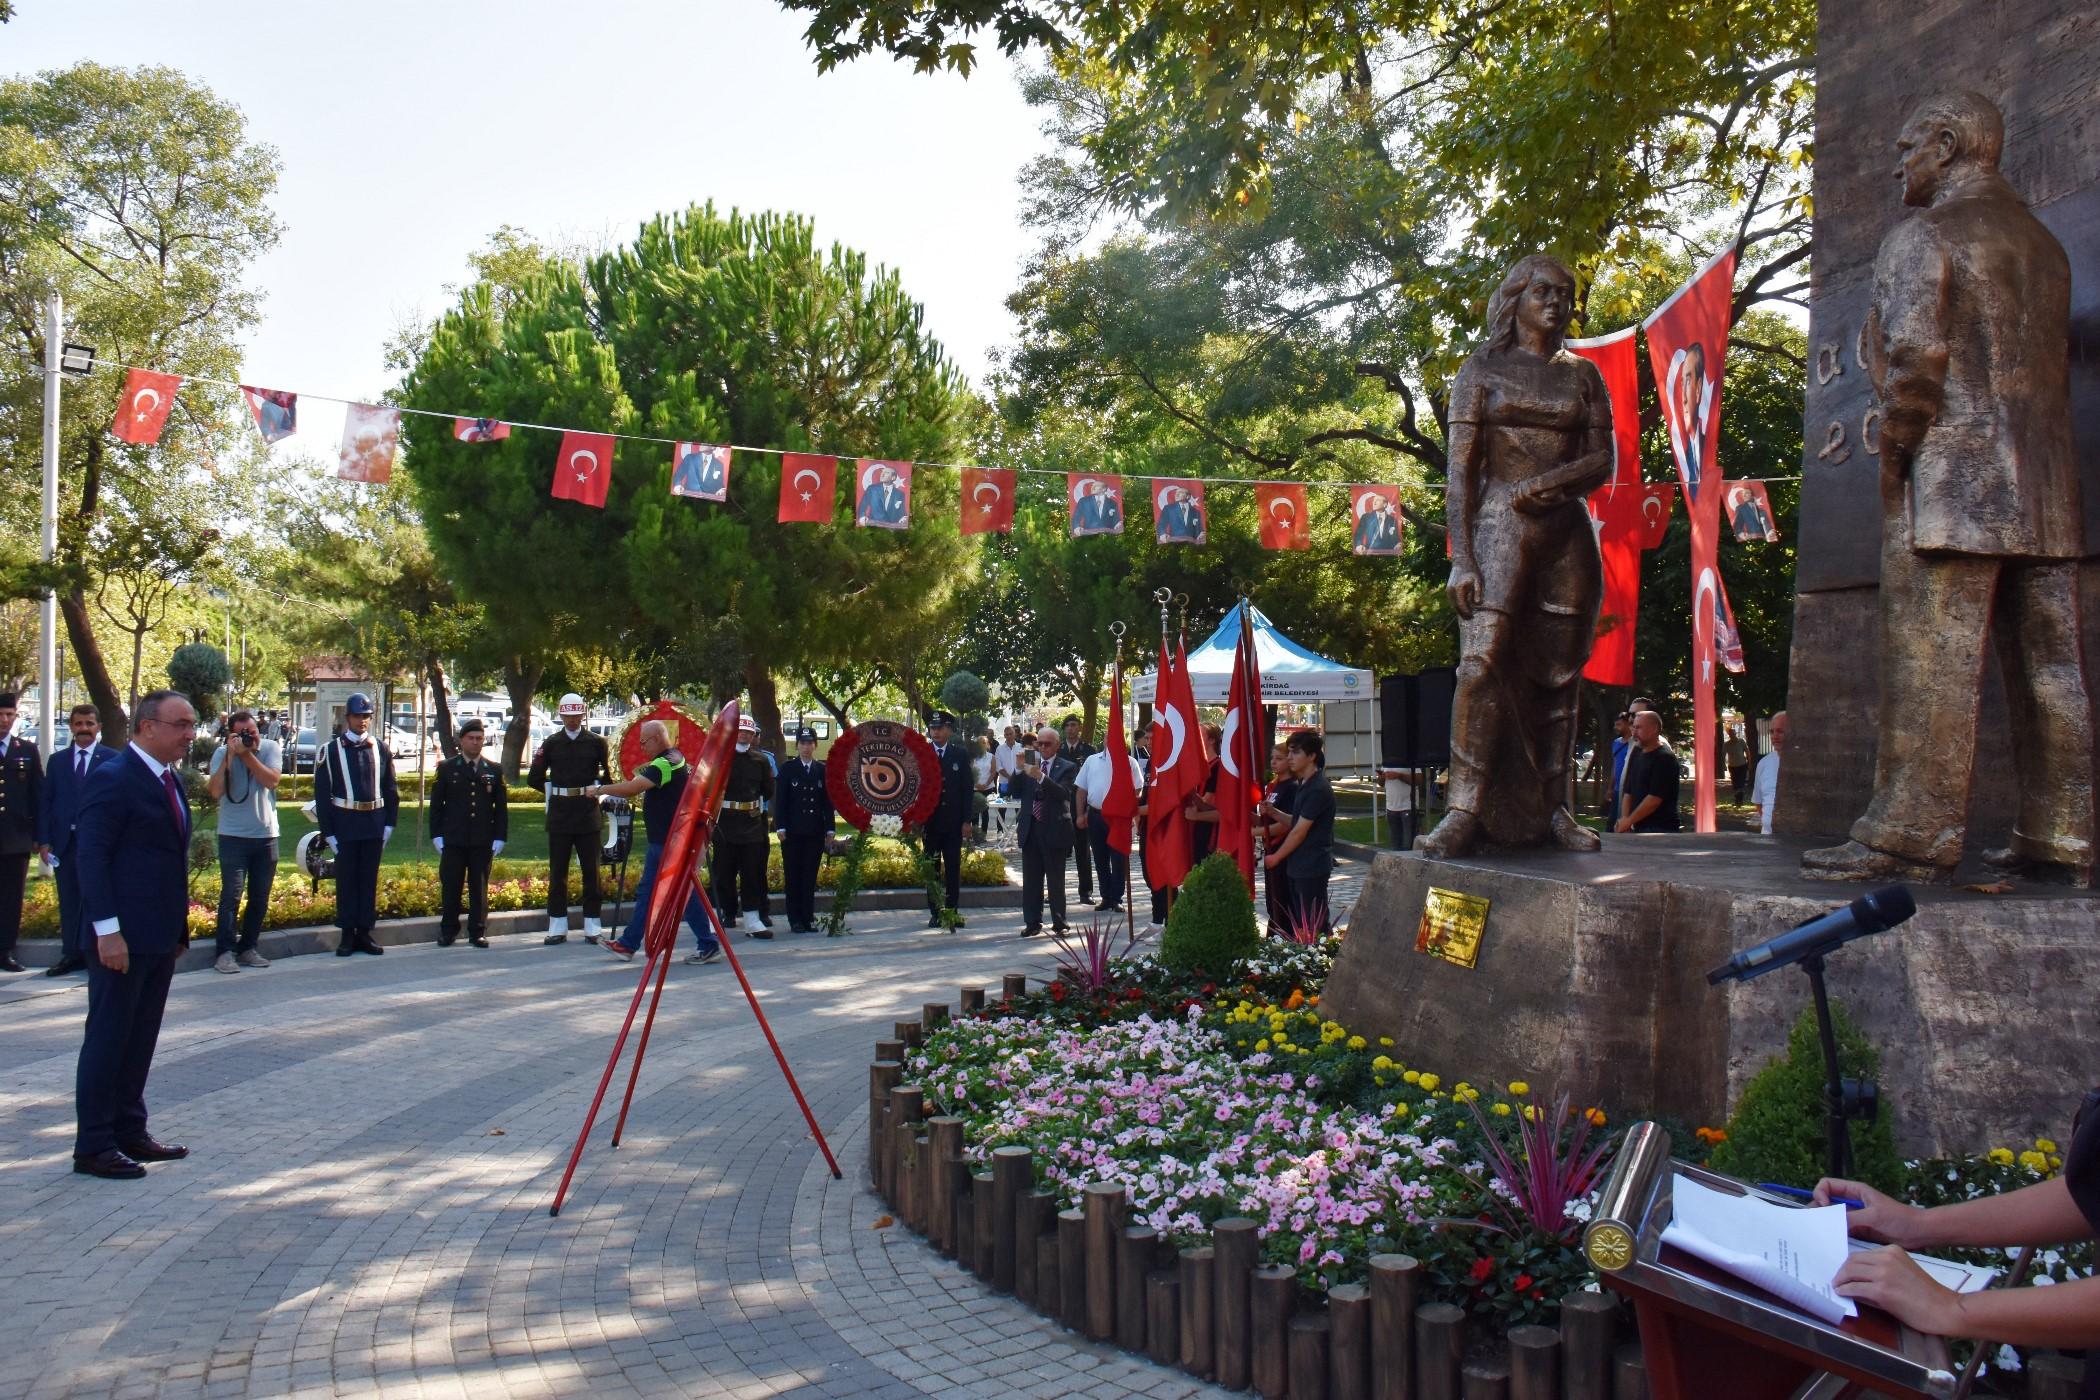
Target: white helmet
pixel 572 704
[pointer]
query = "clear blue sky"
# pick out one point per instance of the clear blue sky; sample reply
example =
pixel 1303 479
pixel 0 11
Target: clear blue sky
pixel 410 131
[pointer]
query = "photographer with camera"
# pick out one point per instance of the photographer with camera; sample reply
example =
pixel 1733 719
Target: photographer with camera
pixel 243 781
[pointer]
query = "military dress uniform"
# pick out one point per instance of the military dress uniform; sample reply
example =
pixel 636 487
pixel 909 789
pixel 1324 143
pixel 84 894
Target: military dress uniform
pixel 803 816
pixel 944 829
pixel 565 765
pixel 357 806
pixel 469 816
pixel 736 869
pixel 21 809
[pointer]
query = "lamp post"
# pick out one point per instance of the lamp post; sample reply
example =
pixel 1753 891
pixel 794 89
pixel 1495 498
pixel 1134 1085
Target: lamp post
pixel 59 359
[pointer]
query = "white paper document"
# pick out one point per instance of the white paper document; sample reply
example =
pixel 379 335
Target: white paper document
pixel 1791 1252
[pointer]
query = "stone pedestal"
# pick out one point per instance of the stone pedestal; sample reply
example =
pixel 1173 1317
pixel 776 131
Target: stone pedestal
pixel 1592 977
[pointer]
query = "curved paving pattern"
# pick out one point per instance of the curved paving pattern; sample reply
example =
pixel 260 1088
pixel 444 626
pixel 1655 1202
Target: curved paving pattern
pixel 376 1142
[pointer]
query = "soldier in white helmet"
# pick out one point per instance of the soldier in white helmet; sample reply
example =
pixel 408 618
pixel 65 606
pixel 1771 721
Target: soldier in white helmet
pixel 565 767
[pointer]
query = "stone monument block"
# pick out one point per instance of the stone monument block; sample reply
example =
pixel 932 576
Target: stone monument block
pixel 1591 977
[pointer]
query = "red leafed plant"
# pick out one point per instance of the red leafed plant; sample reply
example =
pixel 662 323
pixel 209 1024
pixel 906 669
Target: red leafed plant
pixel 1559 1165
pixel 1086 960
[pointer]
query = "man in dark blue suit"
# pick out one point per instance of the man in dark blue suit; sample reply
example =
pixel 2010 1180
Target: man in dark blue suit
pixel 1044 791
pixel 65 788
pixel 132 843
pixel 944 828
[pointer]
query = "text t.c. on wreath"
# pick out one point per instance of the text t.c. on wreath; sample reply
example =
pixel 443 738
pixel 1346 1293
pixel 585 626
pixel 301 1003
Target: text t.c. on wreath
pixel 882 768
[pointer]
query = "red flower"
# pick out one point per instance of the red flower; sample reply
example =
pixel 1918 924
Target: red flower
pixel 1481 1269
pixel 1523 1282
pixel 1057 991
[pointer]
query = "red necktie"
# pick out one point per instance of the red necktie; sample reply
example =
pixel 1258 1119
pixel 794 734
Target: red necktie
pixel 175 802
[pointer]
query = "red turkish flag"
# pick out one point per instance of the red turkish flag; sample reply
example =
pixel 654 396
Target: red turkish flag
pixel 584 468
pixel 143 410
pixel 1616 507
pixel 1240 755
pixel 1281 506
pixel 1687 341
pixel 808 487
pixel 1657 500
pixel 987 500
pixel 1120 803
pixel 1177 774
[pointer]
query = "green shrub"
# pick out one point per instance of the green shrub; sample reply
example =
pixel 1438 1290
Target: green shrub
pixel 1211 928
pixel 1777 1132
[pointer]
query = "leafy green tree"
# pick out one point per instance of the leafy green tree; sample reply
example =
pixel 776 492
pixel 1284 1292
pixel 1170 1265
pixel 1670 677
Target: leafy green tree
pixel 145 559
pixel 136 195
pixel 202 672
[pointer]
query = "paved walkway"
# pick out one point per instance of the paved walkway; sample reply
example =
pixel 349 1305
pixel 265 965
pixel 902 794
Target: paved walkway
pixel 376 1141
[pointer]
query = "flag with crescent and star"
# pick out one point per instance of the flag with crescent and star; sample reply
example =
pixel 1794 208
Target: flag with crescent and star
pixel 583 471
pixel 1687 342
pixel 370 435
pixel 1616 507
pixel 143 410
pixel 480 429
pixel 882 494
pixel 1120 803
pixel 808 487
pixel 1375 515
pixel 1240 755
pixel 987 500
pixel 1179 767
pixel 1281 508
pixel 276 412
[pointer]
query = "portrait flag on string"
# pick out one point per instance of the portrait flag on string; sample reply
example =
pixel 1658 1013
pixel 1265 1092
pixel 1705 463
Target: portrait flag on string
pixel 480 429
pixel 882 499
pixel 583 471
pixel 143 410
pixel 1177 774
pixel 1616 509
pixel 700 471
pixel 1096 502
pixel 987 500
pixel 276 412
pixel 1375 512
pixel 1240 754
pixel 1119 804
pixel 1750 512
pixel 1281 508
pixel 808 487
pixel 370 435
pixel 1179 515
pixel 1687 343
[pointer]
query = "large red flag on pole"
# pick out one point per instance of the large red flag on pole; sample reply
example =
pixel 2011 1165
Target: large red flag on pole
pixel 1240 754
pixel 1177 774
pixel 1120 803
pixel 1687 341
pixel 1616 507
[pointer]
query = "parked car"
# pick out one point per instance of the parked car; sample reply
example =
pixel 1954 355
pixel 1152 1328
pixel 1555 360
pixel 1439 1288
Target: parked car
pixel 301 757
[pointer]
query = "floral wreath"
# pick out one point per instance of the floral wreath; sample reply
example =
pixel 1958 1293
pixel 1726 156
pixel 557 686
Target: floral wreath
pixel 839 762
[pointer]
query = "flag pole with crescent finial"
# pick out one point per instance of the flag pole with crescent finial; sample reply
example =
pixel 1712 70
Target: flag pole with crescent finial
pixel 1116 629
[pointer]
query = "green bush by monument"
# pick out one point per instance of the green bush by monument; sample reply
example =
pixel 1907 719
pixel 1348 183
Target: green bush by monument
pixel 1211 928
pixel 1776 1132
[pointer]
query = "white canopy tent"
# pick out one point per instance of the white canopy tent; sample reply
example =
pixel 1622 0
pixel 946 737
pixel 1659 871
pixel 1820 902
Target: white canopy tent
pixel 1290 675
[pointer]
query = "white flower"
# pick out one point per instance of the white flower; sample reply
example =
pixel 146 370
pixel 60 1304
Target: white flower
pixel 886 824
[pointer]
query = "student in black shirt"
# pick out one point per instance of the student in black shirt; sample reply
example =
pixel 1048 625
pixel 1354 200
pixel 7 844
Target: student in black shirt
pixel 1306 855
pixel 1648 794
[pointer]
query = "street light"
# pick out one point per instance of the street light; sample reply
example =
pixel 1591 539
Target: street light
pixel 76 359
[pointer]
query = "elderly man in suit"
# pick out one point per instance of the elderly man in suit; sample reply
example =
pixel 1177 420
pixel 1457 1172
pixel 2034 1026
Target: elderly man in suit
pixel 65 788
pixel 132 843
pixel 1047 833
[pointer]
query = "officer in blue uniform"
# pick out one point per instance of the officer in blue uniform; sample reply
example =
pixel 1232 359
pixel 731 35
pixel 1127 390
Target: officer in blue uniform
pixel 356 805
pixel 21 795
pixel 944 829
pixel 802 815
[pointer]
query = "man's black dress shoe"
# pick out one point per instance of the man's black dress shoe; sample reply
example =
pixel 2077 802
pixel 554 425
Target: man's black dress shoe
pixel 346 947
pixel 64 966
pixel 446 940
pixel 365 944
pixel 148 1149
pixel 8 963
pixel 477 940
pixel 112 1164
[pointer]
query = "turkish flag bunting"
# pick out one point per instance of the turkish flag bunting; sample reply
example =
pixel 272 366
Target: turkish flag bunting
pixel 808 486
pixel 987 501
pixel 1616 507
pixel 276 412
pixel 1658 499
pixel 1120 803
pixel 1240 755
pixel 480 429
pixel 143 411
pixel 882 495
pixel 1281 506
pixel 370 436
pixel 584 469
pixel 1177 774
pixel 1179 515
pixel 1687 342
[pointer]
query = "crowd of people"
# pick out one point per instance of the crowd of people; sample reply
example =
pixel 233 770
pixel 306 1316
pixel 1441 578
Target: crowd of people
pixel 1643 773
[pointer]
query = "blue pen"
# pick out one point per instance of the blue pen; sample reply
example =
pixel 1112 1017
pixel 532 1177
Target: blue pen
pixel 1807 1197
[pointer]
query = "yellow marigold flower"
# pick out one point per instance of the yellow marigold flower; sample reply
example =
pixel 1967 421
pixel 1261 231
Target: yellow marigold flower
pixel 1399 1107
pixel 1519 1088
pixel 1261 1047
pixel 2001 1156
pixel 2044 1145
pixel 1531 1113
pixel 1357 1042
pixel 1379 1080
pixel 1413 1076
pixel 1386 1041
pixel 1383 1062
pixel 1429 1082
pixel 2033 1161
pixel 1502 1110
pixel 1466 1092
pixel 1595 1115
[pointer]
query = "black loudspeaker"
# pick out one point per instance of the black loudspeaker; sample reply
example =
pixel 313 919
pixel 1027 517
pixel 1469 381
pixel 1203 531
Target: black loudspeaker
pixel 1414 718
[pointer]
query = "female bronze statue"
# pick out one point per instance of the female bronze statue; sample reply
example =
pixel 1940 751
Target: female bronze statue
pixel 1530 439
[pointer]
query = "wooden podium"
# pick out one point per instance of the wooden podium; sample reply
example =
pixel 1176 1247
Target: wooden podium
pixel 1707 1335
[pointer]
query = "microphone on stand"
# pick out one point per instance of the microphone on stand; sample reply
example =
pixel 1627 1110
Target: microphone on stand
pixel 1872 912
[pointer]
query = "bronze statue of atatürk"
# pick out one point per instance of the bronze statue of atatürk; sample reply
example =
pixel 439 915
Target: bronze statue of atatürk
pixel 1981 526
pixel 1530 438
